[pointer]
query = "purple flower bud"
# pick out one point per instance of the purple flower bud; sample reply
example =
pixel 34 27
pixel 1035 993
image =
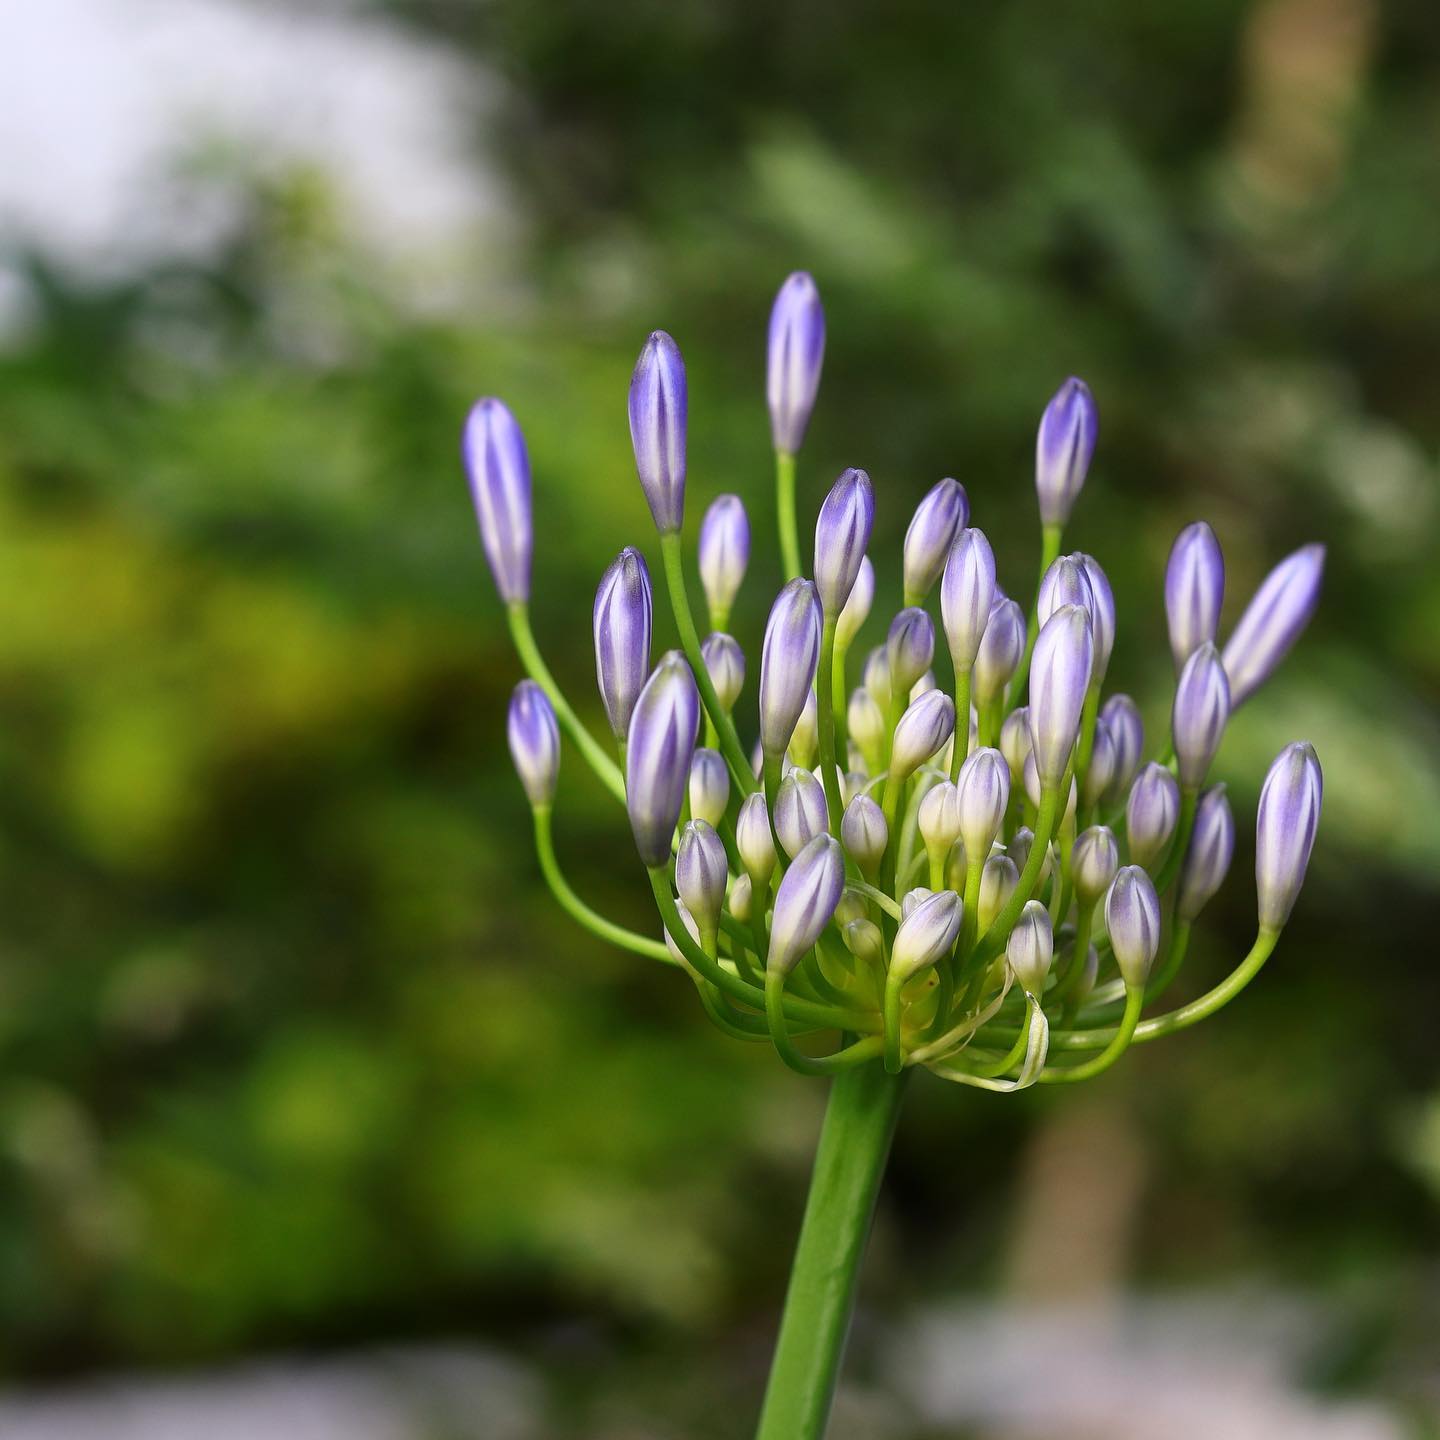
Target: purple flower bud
pixel 658 406
pixel 534 742
pixel 939 817
pixel 967 593
pixel 661 743
pixel 800 811
pixel 926 934
pixel 1132 920
pixel 1207 861
pixel 912 898
pixel 857 607
pixel 865 834
pixel 787 663
pixel 498 467
pixel 984 792
pixel 1064 583
pixel 1202 707
pixel 909 648
pixel 1000 651
pixel 724 553
pixel 700 873
pixel 1122 718
pixel 1285 831
pixel 1094 860
pixel 709 786
pixel 998 880
pixel 754 839
pixel 1151 813
pixel 622 619
pixel 1059 677
pixel 1272 622
pixel 1102 766
pixel 943 511
pixel 1031 948
pixel 805 901
pixel 923 729
pixel 1102 614
pixel 725 664
pixel 841 534
pixel 796 350
pixel 1194 590
pixel 1063 447
pixel 1015 743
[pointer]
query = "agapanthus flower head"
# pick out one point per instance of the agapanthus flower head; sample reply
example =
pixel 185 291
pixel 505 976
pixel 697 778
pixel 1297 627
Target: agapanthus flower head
pixel 1001 649
pixel 1285 827
pixel 841 534
pixel 622 619
pixel 663 729
pixel 800 811
pixel 659 409
pixel 865 834
pixel 1132 921
pixel 944 510
pixel 1063 447
pixel 724 553
pixel 795 353
pixel 534 742
pixel 805 901
pixel 498 466
pixel 787 663
pixel 1194 590
pixel 927 933
pixel 1202 708
pixel 1272 621
pixel 1031 948
pixel 700 873
pixel 725 664
pixel 1151 814
pixel 709 786
pixel 967 591
pixel 857 608
pixel 909 648
pixel 1059 678
pixel 1208 856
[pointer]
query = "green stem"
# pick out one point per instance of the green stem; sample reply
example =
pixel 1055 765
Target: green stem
pixel 960 750
pixel 849 1162
pixel 839 699
pixel 857 1054
pixel 785 510
pixel 1189 797
pixel 825 723
pixel 1159 982
pixel 1134 1003
pixel 1050 541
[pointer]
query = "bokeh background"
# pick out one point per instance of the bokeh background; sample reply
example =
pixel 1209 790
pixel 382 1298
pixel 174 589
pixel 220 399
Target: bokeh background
pixel 315 1114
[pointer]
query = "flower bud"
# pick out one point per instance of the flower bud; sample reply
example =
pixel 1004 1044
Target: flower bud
pixel 1000 651
pixel 998 880
pixel 1102 766
pixel 795 352
pixel 1272 622
pixel 1285 830
pixel 1064 583
pixel 967 593
pixel 742 898
pixel 1202 706
pixel 865 834
pixel 909 648
pixel 857 608
pixel 984 794
pixel 939 818
pixel 534 742
pixel 1102 614
pixel 805 901
pixel 923 729
pixel 805 742
pixel 661 743
pixel 622 619
pixel 1151 813
pixel 876 677
pixel 1059 677
pixel 866 725
pixel 724 553
pixel 926 934
pixel 498 467
pixel 754 840
pixel 1019 848
pixel 800 811
pixel 911 898
pixel 955 868
pixel 943 511
pixel 1122 718
pixel 1207 860
pixel 709 786
pixel 1132 920
pixel 725 664
pixel 852 783
pixel 1031 948
pixel 864 941
pixel 1094 860
pixel 700 873
pixel 853 906
pixel 787 663
pixel 658 405
pixel 1063 447
pixel 1194 590
pixel 841 534
pixel 688 920
pixel 1015 742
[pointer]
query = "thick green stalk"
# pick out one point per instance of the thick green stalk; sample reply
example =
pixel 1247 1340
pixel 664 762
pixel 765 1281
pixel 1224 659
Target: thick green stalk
pixel 849 1162
pixel 785 511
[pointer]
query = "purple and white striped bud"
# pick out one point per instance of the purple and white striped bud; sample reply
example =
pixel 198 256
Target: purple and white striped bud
pixel 1059 677
pixel 498 467
pixel 1151 813
pixel 943 511
pixel 1102 614
pixel 805 741
pixel 857 608
pixel 1031 948
pixel 1015 743
pixel 1207 860
pixel 939 818
pixel 754 840
pixel 1122 718
pixel 1000 653
pixel 622 619
pixel 534 742
pixel 998 880
pixel 1063 447
pixel 909 648
pixel 805 901
pixel 1094 861
pixel 725 664
pixel 912 898
pixel 800 811
pixel 866 725
pixel 864 941
pixel 1285 828
pixel 658 751
pixel 1132 920
pixel 795 352
pixel 876 677
pixel 923 730
pixel 709 786
pixel 1202 708
pixel 1064 583
pixel 967 593
pixel 926 934
pixel 700 873
pixel 865 834
pixel 842 532
pixel 1102 766
pixel 724 554
pixel 1194 590
pixel 742 898
pixel 983 795
pixel 659 403
pixel 1272 621
pixel 787 663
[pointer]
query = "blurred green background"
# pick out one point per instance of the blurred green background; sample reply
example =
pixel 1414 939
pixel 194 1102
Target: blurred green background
pixel 295 1053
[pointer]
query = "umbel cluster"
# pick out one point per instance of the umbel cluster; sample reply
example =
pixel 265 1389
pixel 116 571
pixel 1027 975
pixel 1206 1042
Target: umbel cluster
pixel 999 899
